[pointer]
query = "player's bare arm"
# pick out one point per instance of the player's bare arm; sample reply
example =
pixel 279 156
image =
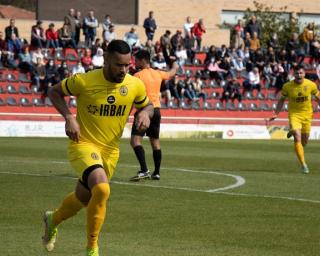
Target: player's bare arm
pixel 278 109
pixel 56 95
pixel 142 120
pixel 174 69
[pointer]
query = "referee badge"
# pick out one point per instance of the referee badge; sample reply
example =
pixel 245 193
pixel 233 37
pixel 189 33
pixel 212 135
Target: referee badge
pixel 94 156
pixel 123 90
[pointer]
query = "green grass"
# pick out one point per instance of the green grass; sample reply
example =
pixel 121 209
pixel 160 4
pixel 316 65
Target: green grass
pixel 275 212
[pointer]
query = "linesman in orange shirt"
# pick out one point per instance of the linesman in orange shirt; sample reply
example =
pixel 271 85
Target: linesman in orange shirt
pixel 152 79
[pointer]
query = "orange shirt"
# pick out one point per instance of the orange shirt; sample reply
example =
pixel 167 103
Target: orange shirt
pixel 152 79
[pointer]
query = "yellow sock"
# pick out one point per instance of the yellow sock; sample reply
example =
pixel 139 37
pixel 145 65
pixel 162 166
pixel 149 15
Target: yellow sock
pixel 70 206
pixel 299 152
pixel 96 212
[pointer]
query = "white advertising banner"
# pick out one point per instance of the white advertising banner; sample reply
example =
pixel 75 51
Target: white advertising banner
pixel 57 129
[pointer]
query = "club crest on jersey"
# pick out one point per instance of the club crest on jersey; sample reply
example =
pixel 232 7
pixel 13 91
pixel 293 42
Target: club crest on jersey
pixel 111 99
pixel 123 90
pixel 94 156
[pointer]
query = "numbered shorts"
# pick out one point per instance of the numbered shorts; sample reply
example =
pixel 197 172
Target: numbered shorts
pixel 84 157
pixel 300 122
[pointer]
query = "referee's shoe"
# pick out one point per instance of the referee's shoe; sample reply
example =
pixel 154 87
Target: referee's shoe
pixel 141 175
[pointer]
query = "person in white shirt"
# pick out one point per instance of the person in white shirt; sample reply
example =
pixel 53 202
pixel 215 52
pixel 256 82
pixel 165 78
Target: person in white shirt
pixel 132 38
pixel 253 81
pixel 98 59
pixel 78 68
pixel 110 34
pixel 187 26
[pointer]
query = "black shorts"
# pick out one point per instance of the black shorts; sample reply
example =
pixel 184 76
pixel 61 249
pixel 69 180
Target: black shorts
pixel 154 129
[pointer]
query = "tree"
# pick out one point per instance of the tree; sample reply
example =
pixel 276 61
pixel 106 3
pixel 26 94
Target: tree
pixel 273 22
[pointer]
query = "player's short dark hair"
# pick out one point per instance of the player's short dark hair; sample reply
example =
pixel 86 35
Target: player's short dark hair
pixel 143 55
pixel 118 46
pixel 298 67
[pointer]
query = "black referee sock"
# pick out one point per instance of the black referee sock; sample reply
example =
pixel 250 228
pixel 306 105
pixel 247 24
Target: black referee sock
pixel 139 151
pixel 157 156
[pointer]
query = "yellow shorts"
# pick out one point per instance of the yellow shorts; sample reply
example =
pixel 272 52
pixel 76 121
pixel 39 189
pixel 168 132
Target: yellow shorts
pixel 83 155
pixel 300 122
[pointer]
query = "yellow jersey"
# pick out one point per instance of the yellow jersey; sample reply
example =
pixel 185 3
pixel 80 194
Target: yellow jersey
pixel 103 107
pixel 300 96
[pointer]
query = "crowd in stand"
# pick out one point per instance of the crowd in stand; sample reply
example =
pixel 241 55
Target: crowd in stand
pixel 242 67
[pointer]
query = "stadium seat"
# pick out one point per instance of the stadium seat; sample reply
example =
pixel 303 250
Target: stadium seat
pixel 242 106
pixel 58 55
pixel 2 90
pixel 11 77
pixel 12 101
pixel 23 77
pixel 11 89
pixel 2 102
pixel 172 104
pixel 35 89
pixel 261 96
pixel 48 102
pixel 253 106
pixel 249 95
pixel 24 89
pixel 265 106
pixel 185 105
pixel 214 95
pixel 196 62
pixel 230 106
pixel 37 102
pixel 213 84
pixel 274 106
pixel 271 96
pixel 207 106
pixel 195 105
pixel 25 102
pixel 219 106
pixel 285 106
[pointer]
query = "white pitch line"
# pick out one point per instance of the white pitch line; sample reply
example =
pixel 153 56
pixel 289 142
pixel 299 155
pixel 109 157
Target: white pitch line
pixel 176 188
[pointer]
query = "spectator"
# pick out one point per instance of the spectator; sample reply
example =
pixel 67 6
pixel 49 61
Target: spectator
pixel 25 61
pixel 14 45
pixel 52 37
pixel 215 72
pixel 150 26
pixel 294 45
pixel 109 34
pixel 165 39
pixel 36 54
pixel 168 54
pixel 90 24
pixel 150 48
pixel 78 24
pixel 187 27
pixel 274 42
pixel 86 60
pixel 189 91
pixel 38 38
pixel 239 28
pixel 39 75
pixel 176 40
pixel 78 68
pixel 52 75
pixel 158 62
pixel 97 44
pixel 253 81
pixel 158 47
pixel 70 20
pixel 237 40
pixel 132 38
pixel 253 26
pixel 11 29
pixel 98 59
pixel 106 24
pixel 63 70
pixel 211 55
pixel 197 31
pixel 308 36
pixel 65 37
pixel 231 91
pixel 173 85
pixel 190 45
pixel 181 56
pixel 254 43
pixel 198 87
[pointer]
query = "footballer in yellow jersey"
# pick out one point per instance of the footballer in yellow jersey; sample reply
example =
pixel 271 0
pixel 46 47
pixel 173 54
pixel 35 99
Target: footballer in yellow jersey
pixel 104 100
pixel 299 93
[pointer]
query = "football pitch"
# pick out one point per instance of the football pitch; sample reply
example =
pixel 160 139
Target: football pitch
pixel 215 198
